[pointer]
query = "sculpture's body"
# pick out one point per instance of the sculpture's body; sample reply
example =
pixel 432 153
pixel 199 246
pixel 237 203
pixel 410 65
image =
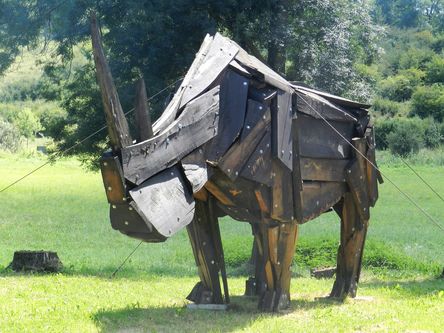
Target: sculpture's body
pixel 237 139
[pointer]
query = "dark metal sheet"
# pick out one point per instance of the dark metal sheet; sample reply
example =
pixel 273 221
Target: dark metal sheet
pixel 255 112
pixel 233 103
pixel 319 140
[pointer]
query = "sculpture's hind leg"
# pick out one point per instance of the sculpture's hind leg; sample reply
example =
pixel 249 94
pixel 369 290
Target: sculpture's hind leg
pixel 353 232
pixel 205 240
pixel 276 245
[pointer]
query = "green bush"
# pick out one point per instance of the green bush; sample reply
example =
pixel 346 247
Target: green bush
pixel 428 101
pixel 383 127
pixel 401 86
pixel 390 108
pixel 432 135
pixel 9 136
pixel 406 138
pixel 435 70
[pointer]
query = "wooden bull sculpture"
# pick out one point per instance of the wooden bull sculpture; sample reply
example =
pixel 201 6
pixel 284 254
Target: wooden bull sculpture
pixel 237 139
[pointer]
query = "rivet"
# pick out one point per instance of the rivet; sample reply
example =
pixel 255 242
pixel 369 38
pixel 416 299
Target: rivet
pixel 228 170
pixel 124 199
pixel 317 203
pixel 200 151
pixel 105 164
pixel 114 206
pixel 360 177
pixel 204 243
pixel 275 206
pixel 263 117
pixel 172 173
pixel 236 173
pixel 212 262
pixel 365 209
pixel 260 107
pixel 245 83
pixel 168 140
pixel 248 127
pixel 268 145
pixel 282 152
pixel 130 208
pixel 110 188
pixel 126 222
pixel 261 151
pixel 349 171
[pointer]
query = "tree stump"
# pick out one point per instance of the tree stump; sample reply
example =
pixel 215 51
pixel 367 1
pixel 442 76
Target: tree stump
pixel 36 261
pixel 323 273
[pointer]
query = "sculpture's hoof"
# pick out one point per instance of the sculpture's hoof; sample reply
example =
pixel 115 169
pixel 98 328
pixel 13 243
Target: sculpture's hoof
pixel 274 301
pixel 201 295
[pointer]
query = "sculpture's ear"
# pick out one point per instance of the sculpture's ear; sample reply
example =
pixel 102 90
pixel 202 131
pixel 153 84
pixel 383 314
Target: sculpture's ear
pixel 143 119
pixel 118 130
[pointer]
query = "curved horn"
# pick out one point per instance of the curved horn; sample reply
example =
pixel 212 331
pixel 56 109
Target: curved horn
pixel 117 125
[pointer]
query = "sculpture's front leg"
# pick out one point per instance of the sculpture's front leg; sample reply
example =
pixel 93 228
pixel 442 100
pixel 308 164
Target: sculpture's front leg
pixel 276 246
pixel 205 240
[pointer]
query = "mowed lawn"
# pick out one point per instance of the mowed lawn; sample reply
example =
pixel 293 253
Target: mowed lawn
pixel 63 208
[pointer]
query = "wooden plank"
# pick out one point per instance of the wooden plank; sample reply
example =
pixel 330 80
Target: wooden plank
pixel 234 160
pixel 255 111
pixel 319 197
pixel 220 53
pixel 335 99
pixel 316 106
pixel 127 219
pixel 141 111
pixel 356 176
pixel 165 201
pixel 296 173
pixel 195 169
pixel 358 188
pixel 233 101
pixel 372 177
pixel 239 69
pixel 262 71
pixel 258 167
pixel 323 169
pixel 281 135
pixel 196 125
pixel 170 112
pixel 113 181
pixel 319 140
pixel 118 129
pixel 218 194
pixel 282 193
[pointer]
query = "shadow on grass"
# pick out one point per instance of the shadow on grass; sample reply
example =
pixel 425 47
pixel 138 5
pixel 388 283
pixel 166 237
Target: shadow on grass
pixel 423 287
pixel 241 313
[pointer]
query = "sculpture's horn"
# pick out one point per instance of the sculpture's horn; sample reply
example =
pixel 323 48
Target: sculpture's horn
pixel 143 119
pixel 117 125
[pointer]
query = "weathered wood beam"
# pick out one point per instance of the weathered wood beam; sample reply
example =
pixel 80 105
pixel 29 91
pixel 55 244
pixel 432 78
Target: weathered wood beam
pixel 118 129
pixel 142 112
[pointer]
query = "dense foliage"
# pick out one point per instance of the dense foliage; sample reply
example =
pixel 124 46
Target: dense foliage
pixel 387 52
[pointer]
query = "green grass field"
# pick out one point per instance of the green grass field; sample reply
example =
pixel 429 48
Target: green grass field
pixel 63 208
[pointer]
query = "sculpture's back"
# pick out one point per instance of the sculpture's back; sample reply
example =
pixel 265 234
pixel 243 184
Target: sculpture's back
pixel 237 139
